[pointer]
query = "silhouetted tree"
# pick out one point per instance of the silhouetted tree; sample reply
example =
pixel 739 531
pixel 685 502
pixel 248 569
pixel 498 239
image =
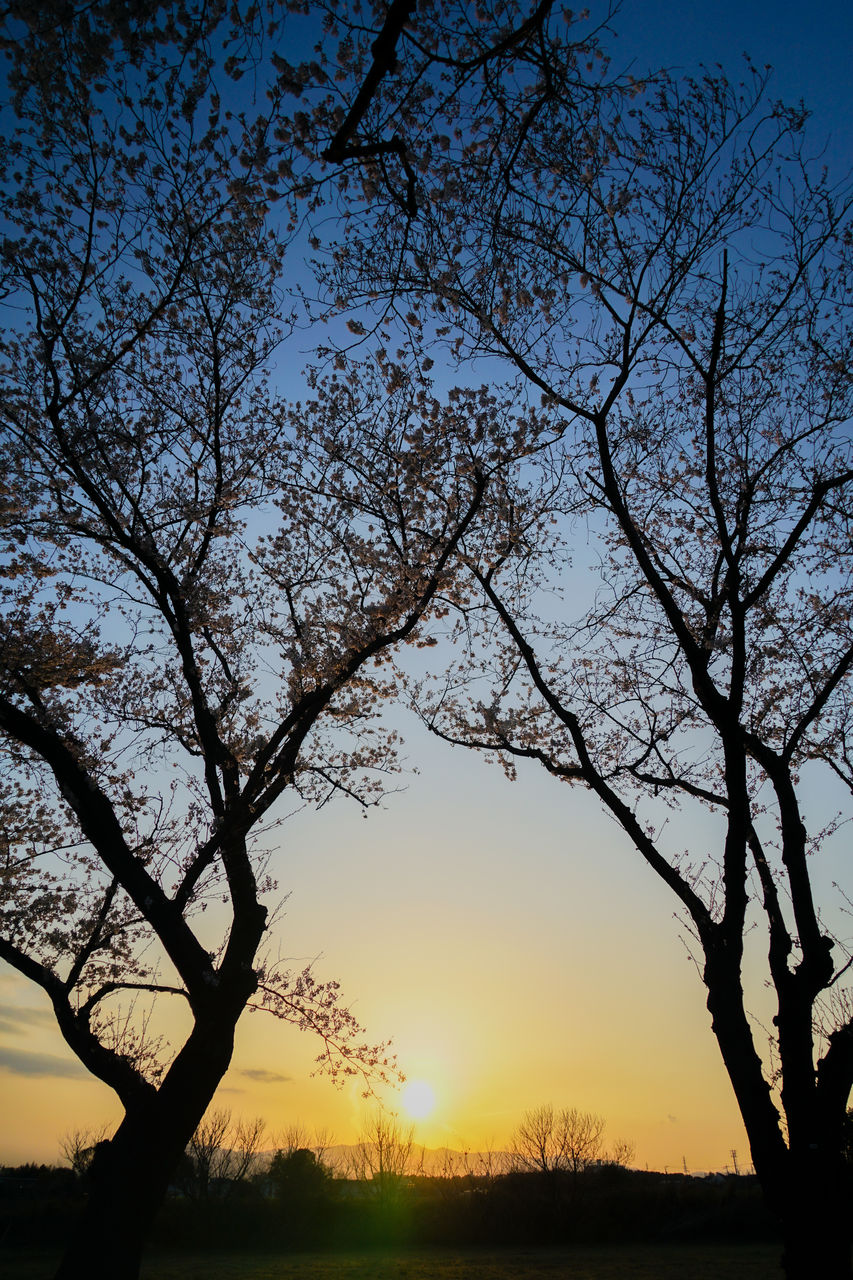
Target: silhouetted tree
pixel 223 1153
pixel 554 1142
pixel 203 583
pixel 78 1147
pixel 385 1156
pixel 621 1153
pixel 300 1182
pixel 673 276
pixel 296 1137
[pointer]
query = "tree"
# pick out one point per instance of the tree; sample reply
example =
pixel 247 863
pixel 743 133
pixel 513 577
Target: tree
pixel 222 665
pixel 554 1142
pixel 385 1156
pixel 208 1152
pixel 440 84
pixel 300 1181
pixel 296 1137
pixel 621 1153
pixel 674 277
pixel 79 1146
pixel 203 581
pixel 223 1152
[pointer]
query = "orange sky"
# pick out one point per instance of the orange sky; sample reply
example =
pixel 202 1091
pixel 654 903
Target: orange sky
pixel 508 941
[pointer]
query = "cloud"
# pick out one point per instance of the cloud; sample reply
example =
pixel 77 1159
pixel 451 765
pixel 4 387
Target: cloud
pixel 14 1019
pixel 262 1076
pixel 22 1063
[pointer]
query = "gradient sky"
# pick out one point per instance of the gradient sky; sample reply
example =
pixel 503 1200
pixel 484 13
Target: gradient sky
pixel 503 934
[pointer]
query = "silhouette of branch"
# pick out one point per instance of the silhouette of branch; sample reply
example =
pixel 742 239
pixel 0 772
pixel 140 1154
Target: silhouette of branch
pixel 109 988
pixel 384 50
pixel 385 62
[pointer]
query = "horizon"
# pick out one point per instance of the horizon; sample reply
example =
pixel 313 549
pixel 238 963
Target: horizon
pixel 432 1162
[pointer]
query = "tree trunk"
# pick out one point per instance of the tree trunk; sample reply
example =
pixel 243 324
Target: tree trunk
pixel 130 1175
pixel 808 1193
pixel 807 1187
pixel 129 1178
pixel 816 1247
pixel 814 1215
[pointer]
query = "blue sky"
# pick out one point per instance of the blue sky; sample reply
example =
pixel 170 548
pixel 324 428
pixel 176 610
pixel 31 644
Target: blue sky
pixel 809 46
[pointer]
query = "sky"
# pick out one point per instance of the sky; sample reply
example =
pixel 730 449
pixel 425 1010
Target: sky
pixel 503 934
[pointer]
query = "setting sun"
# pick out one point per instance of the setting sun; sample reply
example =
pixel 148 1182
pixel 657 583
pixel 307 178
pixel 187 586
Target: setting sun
pixel 418 1099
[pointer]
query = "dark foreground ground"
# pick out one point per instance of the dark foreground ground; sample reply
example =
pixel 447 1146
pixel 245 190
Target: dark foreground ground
pixel 603 1262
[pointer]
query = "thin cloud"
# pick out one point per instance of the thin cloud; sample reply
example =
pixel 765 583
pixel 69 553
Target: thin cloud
pixel 14 1019
pixel 22 1063
pixel 262 1076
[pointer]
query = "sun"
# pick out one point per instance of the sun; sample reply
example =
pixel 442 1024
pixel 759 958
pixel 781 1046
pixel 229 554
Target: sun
pixel 418 1099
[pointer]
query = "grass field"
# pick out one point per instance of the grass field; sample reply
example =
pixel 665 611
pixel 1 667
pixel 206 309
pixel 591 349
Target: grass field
pixel 694 1262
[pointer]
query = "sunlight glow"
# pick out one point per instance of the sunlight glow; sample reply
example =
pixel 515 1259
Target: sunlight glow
pixel 418 1099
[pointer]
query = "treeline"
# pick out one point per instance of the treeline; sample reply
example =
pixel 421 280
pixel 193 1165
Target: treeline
pixel 226 1153
pixel 300 1205
pixel 299 1202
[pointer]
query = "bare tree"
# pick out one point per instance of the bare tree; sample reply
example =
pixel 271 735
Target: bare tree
pixel 487 1165
pixel 385 1155
pixel 245 1143
pixel 224 1152
pixel 553 1142
pixel 622 1153
pixel 297 1137
pixel 208 1150
pixel 322 1141
pixel 294 1137
pixel 78 1147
